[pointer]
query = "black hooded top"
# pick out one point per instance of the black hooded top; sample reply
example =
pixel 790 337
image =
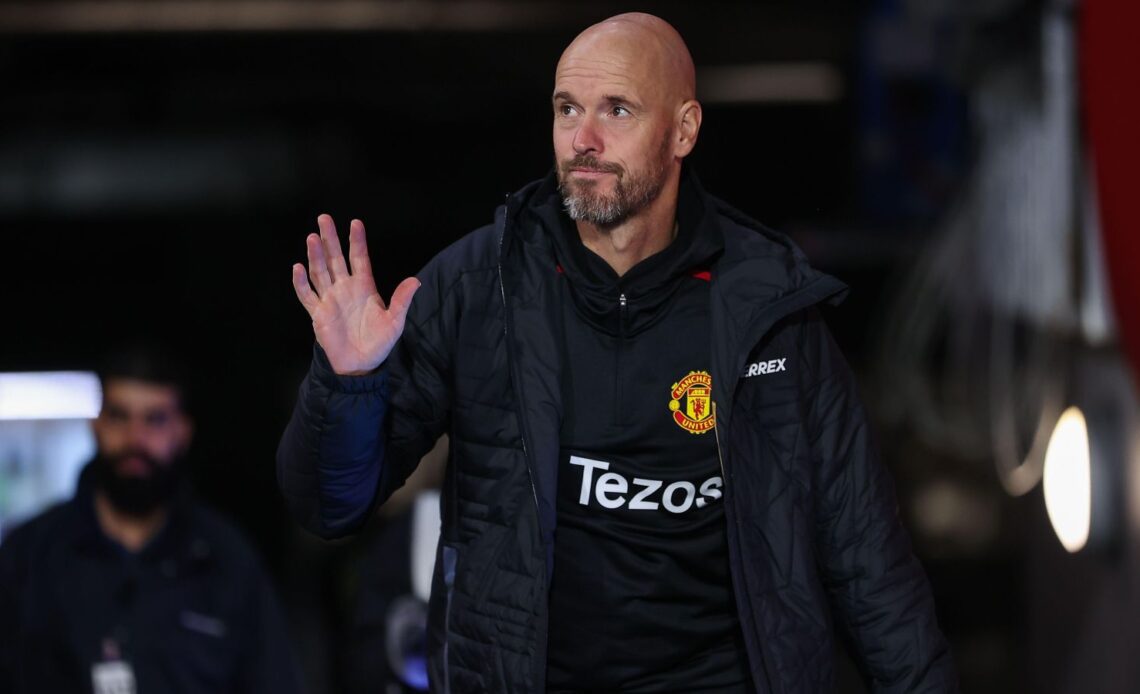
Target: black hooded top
pixel 641 597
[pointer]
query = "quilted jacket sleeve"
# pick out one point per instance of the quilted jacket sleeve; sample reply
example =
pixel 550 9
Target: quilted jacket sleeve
pixel 878 589
pixel 353 440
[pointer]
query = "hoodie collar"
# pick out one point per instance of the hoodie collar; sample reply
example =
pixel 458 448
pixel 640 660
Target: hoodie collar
pixel 594 286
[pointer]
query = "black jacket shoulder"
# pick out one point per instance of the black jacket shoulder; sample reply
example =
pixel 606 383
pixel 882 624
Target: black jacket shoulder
pixel 38 533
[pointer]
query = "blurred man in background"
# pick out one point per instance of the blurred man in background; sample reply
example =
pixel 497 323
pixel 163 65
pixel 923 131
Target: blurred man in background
pixel 132 586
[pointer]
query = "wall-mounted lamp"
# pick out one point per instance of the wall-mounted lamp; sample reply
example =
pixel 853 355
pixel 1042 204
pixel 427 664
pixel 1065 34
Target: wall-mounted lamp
pixel 1086 460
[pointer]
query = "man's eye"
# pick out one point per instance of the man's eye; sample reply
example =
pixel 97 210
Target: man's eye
pixel 566 110
pixel 620 111
pixel 157 419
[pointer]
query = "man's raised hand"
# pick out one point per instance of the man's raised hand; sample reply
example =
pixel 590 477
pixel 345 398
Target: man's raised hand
pixel 350 320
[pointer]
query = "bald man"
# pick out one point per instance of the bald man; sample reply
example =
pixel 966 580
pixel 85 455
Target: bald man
pixel 660 475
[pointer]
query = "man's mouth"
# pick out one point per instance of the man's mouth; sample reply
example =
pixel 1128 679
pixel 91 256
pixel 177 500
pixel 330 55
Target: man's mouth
pixel 588 167
pixel 590 173
pixel 133 466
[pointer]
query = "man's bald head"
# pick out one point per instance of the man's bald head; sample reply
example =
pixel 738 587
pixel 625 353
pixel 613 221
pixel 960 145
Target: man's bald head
pixel 625 117
pixel 648 46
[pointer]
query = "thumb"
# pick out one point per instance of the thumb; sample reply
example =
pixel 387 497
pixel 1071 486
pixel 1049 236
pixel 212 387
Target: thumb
pixel 402 299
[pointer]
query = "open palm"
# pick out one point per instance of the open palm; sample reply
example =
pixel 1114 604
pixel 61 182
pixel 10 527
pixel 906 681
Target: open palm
pixel 351 322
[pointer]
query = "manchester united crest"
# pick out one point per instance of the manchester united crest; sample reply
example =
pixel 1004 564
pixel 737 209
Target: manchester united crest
pixel 691 403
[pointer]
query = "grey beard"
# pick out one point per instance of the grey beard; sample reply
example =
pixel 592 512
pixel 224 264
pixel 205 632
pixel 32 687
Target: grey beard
pixel 603 211
pixel 598 210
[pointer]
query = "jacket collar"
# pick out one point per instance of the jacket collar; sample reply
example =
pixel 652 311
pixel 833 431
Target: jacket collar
pixel 593 285
pixel 175 543
pixel 758 275
pixel 761 278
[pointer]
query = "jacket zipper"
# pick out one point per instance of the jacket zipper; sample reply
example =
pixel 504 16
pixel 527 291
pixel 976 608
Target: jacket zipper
pixel 735 519
pixel 507 337
pixel 522 425
pixel 516 379
pixel 617 359
pixel 719 456
pixel 522 440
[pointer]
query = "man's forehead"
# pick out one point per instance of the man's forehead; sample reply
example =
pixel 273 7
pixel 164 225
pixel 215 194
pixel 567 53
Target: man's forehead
pixel 606 70
pixel 603 75
pixel 137 394
pixel 624 55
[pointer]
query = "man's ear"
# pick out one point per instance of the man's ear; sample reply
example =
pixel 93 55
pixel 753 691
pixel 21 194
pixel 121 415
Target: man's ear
pixel 688 127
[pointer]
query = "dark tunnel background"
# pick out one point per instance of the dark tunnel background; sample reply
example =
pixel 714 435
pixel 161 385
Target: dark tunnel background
pixel 159 181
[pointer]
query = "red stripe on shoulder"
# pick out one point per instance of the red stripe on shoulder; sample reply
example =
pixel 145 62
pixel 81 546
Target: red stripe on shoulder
pixel 702 275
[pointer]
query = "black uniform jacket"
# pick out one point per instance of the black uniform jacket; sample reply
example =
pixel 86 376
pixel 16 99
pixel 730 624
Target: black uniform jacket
pixel 192 612
pixel 815 543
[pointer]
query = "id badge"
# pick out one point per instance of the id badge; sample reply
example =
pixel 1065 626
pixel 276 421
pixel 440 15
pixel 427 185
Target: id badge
pixel 113 677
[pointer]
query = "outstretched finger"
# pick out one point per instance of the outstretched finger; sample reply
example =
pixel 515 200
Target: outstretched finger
pixel 402 300
pixel 358 258
pixel 318 270
pixel 335 255
pixel 305 293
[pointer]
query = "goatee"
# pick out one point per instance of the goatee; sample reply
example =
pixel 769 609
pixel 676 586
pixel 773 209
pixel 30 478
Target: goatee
pixel 138 495
pixel 633 192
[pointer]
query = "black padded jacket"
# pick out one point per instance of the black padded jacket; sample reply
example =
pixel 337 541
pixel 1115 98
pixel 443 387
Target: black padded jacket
pixel 816 547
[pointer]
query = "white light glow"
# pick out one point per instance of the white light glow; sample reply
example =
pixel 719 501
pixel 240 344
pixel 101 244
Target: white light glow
pixel 1068 480
pixel 49 395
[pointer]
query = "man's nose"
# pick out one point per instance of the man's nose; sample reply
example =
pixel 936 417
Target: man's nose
pixel 587 139
pixel 136 432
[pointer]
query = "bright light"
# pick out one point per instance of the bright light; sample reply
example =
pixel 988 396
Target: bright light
pixel 1068 480
pixel 51 395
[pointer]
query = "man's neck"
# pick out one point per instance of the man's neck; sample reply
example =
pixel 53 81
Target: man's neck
pixel 648 232
pixel 132 532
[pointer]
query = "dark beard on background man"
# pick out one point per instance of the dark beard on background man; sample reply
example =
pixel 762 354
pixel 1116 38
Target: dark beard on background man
pixel 138 496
